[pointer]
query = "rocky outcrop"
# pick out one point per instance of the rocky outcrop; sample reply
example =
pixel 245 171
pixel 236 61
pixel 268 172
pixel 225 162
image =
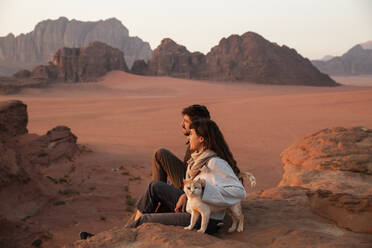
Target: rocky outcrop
pixel 275 218
pixel 13 119
pixel 140 67
pixel 43 72
pixel 353 212
pixel 12 85
pixel 69 65
pixel 356 61
pixel 25 190
pixel 13 122
pixel 248 57
pixel 10 171
pixel 165 236
pixel 57 143
pixel 22 156
pixel 85 64
pixel 337 159
pixel 38 46
pixel 13 233
pixel 16 157
pixel 171 59
pixel 336 165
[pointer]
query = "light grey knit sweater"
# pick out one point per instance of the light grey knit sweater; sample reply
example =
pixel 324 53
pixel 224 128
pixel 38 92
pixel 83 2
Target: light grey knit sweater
pixel 222 188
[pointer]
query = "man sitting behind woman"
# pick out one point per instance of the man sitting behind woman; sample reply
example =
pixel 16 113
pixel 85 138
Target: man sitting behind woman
pixel 211 161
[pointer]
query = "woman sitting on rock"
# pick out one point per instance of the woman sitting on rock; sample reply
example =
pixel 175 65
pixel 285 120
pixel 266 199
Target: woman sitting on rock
pixel 212 161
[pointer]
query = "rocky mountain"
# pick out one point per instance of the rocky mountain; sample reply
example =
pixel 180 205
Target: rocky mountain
pixel 171 59
pixel 248 57
pixel 327 57
pixel 68 65
pixel 356 61
pixel 81 64
pixel 38 46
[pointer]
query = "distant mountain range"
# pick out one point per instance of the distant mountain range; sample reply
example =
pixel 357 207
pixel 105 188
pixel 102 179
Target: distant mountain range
pixel 356 61
pixel 38 46
pixel 248 58
pixel 367 45
pixel 327 57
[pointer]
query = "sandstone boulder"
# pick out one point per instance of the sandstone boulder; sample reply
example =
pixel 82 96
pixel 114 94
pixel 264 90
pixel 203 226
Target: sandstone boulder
pixel 338 159
pixel 58 143
pixel 335 164
pixel 353 212
pixel 25 189
pixel 19 150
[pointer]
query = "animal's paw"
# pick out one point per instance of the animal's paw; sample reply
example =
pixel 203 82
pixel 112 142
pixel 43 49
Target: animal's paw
pixel 201 231
pixel 240 229
pixel 188 228
pixel 231 229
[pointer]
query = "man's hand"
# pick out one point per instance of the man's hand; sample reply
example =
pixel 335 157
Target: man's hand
pixel 181 204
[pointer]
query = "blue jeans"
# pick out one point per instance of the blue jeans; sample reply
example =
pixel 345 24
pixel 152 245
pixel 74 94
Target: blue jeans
pixel 167 195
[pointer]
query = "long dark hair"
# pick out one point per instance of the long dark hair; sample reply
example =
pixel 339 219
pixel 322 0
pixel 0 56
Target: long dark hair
pixel 214 140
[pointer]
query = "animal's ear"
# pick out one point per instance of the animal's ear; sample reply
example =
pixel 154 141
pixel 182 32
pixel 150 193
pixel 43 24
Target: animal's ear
pixel 198 181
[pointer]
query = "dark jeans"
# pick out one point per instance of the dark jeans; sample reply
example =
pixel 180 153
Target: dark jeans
pixel 168 195
pixel 166 165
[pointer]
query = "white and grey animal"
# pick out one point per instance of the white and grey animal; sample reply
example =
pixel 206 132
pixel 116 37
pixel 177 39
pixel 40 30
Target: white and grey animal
pixel 193 190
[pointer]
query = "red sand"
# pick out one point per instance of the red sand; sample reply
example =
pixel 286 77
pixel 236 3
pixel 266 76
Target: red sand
pixel 125 118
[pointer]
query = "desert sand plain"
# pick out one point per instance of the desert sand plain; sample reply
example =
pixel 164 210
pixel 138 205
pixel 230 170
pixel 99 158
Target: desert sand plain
pixel 125 118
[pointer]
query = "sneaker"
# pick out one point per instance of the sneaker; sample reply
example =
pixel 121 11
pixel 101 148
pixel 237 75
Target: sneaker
pixel 85 235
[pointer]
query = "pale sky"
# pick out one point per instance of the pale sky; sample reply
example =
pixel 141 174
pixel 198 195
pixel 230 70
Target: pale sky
pixel 313 27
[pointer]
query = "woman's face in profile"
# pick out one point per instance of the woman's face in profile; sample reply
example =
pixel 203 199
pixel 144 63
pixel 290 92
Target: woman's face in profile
pixel 196 142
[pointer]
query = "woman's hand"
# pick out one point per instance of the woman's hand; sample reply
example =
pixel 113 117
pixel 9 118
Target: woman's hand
pixel 181 204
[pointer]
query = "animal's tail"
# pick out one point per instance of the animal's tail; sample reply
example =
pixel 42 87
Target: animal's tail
pixel 249 176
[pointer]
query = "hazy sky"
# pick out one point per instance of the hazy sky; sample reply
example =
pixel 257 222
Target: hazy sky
pixel 313 27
